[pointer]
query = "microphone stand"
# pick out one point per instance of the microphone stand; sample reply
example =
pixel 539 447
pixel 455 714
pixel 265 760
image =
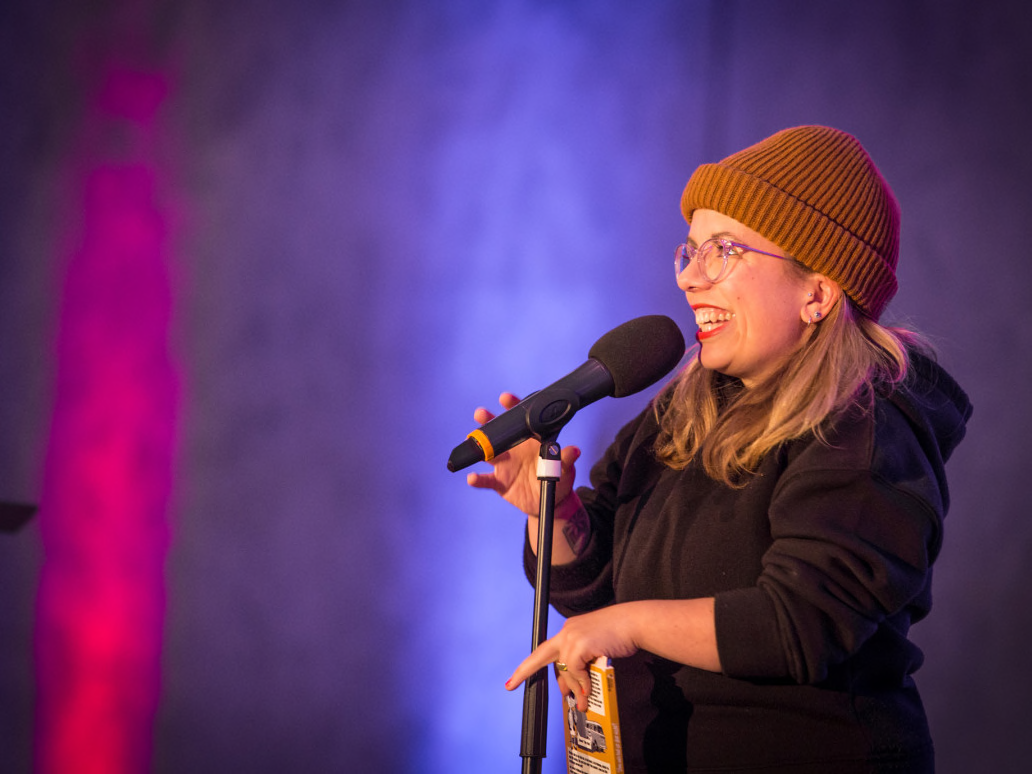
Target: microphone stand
pixel 535 689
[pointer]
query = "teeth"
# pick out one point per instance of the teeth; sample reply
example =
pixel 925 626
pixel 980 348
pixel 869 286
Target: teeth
pixel 711 318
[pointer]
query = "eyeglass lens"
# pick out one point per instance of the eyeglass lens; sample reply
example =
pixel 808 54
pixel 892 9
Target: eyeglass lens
pixel 711 256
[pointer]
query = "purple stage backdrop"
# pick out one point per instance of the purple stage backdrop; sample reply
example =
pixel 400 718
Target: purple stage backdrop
pixel 260 261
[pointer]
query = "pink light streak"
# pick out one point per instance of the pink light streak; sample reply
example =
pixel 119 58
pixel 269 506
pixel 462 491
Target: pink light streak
pixel 101 603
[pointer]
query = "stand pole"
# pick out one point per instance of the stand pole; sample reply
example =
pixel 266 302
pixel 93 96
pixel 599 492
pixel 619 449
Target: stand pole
pixel 535 690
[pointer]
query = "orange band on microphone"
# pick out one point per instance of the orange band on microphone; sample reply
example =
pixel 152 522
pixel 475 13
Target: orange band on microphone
pixel 482 441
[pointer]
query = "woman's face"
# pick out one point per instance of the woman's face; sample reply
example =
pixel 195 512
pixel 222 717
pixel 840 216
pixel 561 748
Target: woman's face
pixel 755 316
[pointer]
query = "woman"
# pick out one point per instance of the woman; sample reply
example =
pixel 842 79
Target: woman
pixel 754 547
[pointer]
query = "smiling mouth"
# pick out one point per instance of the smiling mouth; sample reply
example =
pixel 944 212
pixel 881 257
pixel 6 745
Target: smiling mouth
pixel 711 320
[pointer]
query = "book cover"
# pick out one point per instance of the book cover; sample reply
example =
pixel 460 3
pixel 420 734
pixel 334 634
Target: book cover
pixel 593 744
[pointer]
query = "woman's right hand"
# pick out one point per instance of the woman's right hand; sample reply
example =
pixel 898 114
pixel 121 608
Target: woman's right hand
pixel 514 474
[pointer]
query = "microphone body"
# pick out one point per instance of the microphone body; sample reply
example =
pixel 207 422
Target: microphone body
pixel 626 360
pixel 537 416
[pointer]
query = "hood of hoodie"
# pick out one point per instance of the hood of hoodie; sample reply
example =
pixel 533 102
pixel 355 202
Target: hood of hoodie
pixel 937 409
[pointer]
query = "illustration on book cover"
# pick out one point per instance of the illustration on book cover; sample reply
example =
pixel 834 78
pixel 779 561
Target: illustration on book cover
pixel 593 743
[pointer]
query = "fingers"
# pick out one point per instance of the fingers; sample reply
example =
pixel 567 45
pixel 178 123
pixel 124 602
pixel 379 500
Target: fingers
pixel 577 682
pixel 569 455
pixel 574 679
pixel 543 655
pixel 507 400
pixel 577 687
pixel 485 481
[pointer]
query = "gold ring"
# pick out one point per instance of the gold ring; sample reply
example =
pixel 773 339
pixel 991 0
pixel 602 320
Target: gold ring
pixel 561 666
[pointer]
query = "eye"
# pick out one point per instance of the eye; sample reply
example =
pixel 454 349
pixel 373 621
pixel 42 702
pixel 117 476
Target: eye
pixel 685 255
pixel 725 249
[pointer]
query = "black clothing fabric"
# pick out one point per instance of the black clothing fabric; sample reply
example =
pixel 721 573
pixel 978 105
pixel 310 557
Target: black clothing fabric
pixel 818 566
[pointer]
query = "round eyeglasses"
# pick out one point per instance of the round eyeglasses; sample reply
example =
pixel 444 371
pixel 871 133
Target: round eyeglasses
pixel 712 257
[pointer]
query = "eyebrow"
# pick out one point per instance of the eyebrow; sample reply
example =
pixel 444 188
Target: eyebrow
pixel 719 235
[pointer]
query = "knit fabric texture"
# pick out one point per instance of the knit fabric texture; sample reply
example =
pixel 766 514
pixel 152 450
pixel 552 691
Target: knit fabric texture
pixel 815 192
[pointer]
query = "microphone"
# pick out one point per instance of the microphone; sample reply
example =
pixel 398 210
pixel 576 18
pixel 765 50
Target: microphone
pixel 624 361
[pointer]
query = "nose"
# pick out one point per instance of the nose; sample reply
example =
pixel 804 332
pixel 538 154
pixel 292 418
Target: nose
pixel 692 278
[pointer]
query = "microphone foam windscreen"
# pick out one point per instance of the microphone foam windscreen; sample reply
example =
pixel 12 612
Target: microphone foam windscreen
pixel 640 352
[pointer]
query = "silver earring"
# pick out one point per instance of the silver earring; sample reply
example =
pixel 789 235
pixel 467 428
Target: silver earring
pixel 816 315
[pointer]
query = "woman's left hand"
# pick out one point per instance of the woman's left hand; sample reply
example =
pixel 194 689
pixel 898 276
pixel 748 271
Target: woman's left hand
pixel 583 638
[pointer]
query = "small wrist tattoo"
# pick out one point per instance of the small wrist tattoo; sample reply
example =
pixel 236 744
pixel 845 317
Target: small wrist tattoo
pixel 577 531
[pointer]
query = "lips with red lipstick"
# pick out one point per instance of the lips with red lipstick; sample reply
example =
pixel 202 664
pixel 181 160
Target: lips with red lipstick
pixel 711 321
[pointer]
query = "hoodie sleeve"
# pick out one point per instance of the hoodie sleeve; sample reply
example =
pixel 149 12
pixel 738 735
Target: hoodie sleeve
pixel 855 528
pixel 586 583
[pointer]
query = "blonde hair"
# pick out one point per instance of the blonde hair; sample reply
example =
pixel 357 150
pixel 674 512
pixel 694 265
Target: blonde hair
pixel 706 415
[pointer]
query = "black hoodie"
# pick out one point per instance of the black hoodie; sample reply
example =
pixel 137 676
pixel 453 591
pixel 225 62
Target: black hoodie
pixel 819 566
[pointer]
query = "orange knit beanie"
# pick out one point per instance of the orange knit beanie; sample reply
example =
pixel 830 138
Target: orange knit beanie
pixel 814 192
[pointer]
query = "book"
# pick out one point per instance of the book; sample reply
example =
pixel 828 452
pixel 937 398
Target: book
pixel 593 743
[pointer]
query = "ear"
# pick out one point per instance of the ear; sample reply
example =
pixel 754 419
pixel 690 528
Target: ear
pixel 822 294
